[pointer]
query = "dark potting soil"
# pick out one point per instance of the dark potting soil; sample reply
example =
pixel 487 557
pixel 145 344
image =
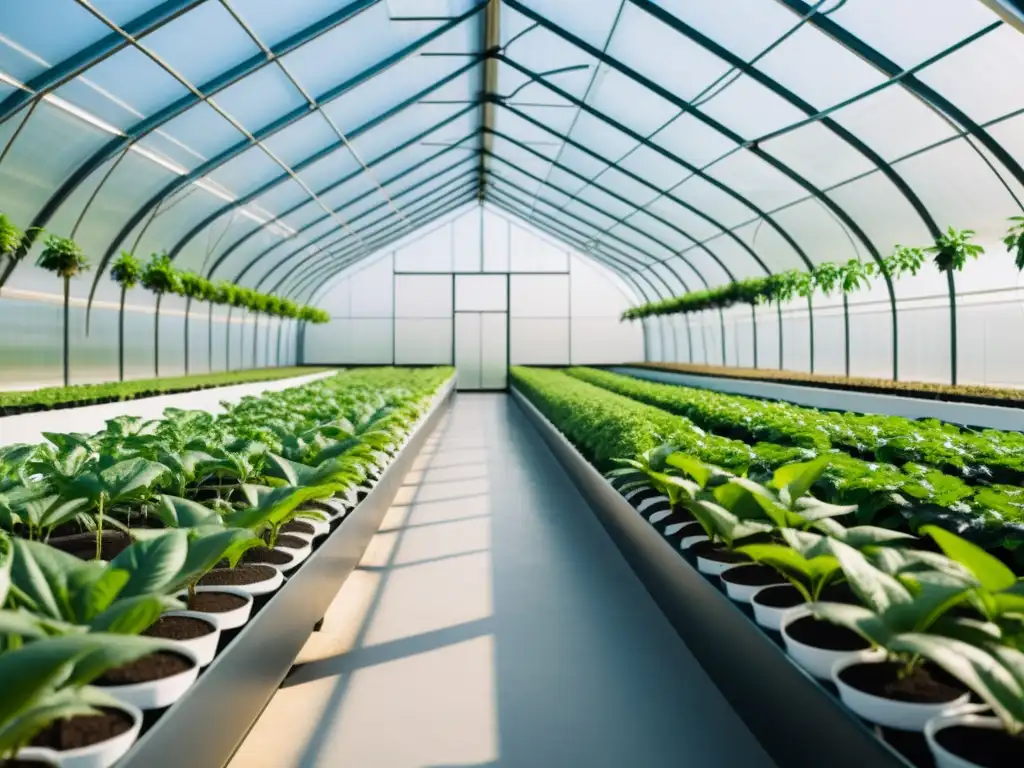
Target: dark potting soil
pixel 291 542
pixel 710 550
pixel 155 666
pixel 781 596
pixel 839 593
pixel 927 684
pixel 179 628
pixel 821 634
pixel 264 555
pixel 83 545
pixel 753 576
pixel 988 748
pixel 24 763
pixel 233 577
pixel 82 730
pixel 297 526
pixel 688 529
pixel 215 602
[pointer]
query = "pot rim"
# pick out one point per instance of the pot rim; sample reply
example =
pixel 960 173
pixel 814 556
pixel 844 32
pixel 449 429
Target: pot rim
pixel 188 613
pixel 130 709
pixel 969 715
pixel 182 650
pixel 878 656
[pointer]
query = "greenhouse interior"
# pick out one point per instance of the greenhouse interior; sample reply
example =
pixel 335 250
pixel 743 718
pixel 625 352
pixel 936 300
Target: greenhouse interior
pixel 522 383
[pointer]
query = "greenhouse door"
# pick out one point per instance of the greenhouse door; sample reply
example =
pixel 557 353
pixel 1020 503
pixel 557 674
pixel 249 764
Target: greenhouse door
pixel 481 331
pixel 481 349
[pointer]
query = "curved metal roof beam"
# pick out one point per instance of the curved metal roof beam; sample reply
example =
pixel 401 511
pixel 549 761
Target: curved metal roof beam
pixel 592 207
pixel 329 233
pixel 269 130
pixel 325 250
pixel 71 67
pixel 641 180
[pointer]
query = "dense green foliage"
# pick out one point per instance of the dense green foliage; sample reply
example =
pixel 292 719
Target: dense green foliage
pixel 988 456
pixel 606 426
pixel 951 252
pixel 191 491
pixel 87 394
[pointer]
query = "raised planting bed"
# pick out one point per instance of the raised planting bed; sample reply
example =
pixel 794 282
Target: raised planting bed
pixel 797 720
pixel 54 398
pixel 206 726
pixel 179 565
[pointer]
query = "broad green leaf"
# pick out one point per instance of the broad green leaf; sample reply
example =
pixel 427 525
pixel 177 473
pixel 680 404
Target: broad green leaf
pixel 877 589
pixel 856 618
pixel 5 568
pixel 126 478
pixel 988 570
pixel 103 651
pixel 797 479
pixel 21 623
pixel 153 564
pixel 93 590
pixel 207 546
pixel 176 512
pixel 933 595
pixel 134 614
pixel 41 574
pixel 695 468
pixel 29 671
pixel 49 707
pixel 861 536
pixel 814 509
pixel 283 469
pixel 976 668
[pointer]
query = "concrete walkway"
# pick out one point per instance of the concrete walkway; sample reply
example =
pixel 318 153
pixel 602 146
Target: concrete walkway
pixel 493 623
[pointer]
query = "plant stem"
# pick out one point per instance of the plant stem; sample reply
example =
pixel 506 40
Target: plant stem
pixel 188 308
pixel 209 338
pixel 156 337
pixel 67 299
pixel 227 348
pixel 255 337
pixel 99 530
pixel 120 337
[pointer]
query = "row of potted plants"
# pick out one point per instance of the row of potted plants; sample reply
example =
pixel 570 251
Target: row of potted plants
pixel 908 625
pixel 130 557
pixel 63 257
pixel 606 425
pixel 983 457
pixel 950 253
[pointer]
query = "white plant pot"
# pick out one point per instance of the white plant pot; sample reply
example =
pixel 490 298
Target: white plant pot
pixel 204 647
pixel 968 715
pixel 902 715
pixel 631 493
pixel 292 564
pixel 646 504
pixel 100 755
pixel 817 661
pixel 741 593
pixel 267 585
pixel 229 619
pixel 657 517
pixel 298 554
pixel 688 541
pixel 156 694
pixel 768 616
pixel 713 567
pixel 320 527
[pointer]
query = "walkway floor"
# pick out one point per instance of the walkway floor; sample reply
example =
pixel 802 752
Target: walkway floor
pixel 492 622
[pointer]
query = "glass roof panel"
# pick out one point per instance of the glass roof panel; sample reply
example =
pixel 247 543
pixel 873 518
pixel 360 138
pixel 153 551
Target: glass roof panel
pixel 764 23
pixel 654 168
pixel 693 140
pixel 302 139
pixel 273 27
pixel 914 30
pixel 593 26
pixel 995 60
pixel 757 180
pixel 246 172
pixel 628 102
pixel 817 154
pixel 196 135
pixel 750 109
pixel 123 89
pixel 37 35
pixel 260 98
pixel 202 43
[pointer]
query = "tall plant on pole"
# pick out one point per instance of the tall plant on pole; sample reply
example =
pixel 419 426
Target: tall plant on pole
pixel 126 272
pixel 160 277
pixel 227 293
pixel 951 252
pixel 65 259
pixel 192 287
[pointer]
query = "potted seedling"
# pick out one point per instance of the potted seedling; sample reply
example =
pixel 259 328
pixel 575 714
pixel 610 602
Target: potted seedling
pixel 65 259
pixel 124 597
pixel 126 272
pixel 51 715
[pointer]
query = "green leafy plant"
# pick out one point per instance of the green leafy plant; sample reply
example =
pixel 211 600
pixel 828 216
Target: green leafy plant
pixel 126 272
pixel 1014 240
pixel 10 237
pixel 193 287
pixel 953 249
pixel 65 259
pixel 161 278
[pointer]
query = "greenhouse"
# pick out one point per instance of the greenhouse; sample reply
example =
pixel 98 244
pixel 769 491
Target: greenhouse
pixel 521 383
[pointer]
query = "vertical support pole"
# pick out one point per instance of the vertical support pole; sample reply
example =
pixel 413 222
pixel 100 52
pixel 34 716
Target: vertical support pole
pixel 209 337
pixel 721 323
pixel 227 342
pixel 394 313
pixel 508 317
pixel 689 338
pixel 810 325
pixel 156 336
pixel 753 330
pixel 782 349
pixel 188 307
pixel 255 339
pixel 120 338
pixel 952 328
pixel 846 332
pixel 280 330
pixel 67 359
pixel 568 257
pixel 453 309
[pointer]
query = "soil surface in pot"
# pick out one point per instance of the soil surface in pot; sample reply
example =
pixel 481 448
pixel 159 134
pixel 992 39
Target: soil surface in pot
pixel 780 596
pixel 291 542
pixel 821 634
pixel 261 555
pixel 215 602
pixel 233 577
pixel 988 748
pixel 752 576
pixel 927 684
pixel 710 550
pixel 297 526
pixel 155 666
pixel 83 545
pixel 179 628
pixel 83 730
pixel 839 593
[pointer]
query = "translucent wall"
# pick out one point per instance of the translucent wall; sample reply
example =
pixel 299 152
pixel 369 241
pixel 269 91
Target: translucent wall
pixel 481 290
